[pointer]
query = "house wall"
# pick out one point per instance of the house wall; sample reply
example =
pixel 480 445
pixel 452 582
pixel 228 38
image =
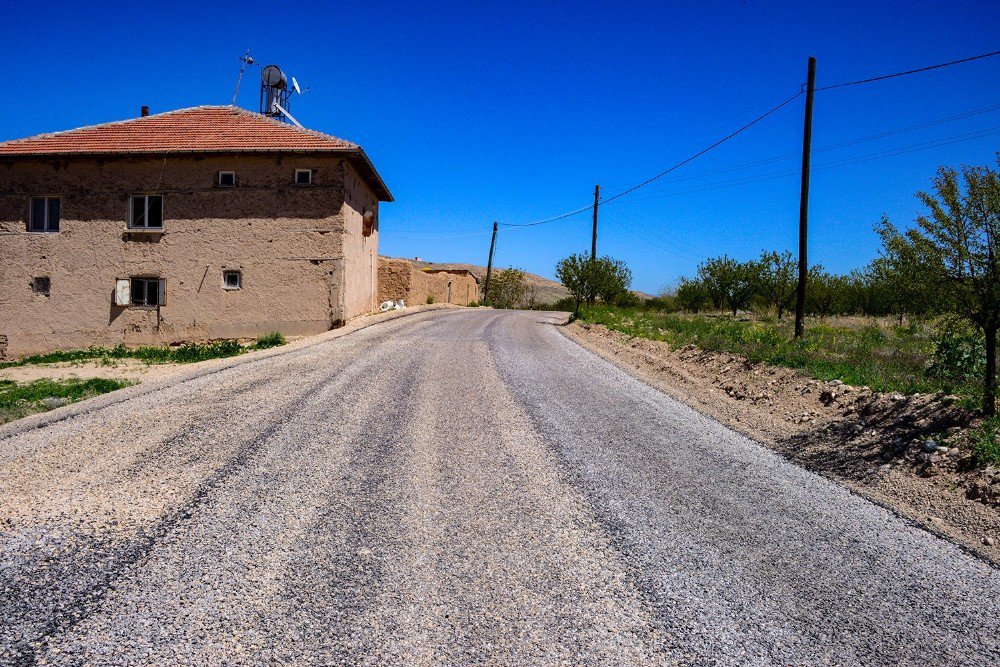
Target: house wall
pixel 398 279
pixel 295 278
pixel 360 252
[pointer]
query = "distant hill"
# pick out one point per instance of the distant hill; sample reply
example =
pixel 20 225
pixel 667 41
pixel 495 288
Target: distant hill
pixel 546 291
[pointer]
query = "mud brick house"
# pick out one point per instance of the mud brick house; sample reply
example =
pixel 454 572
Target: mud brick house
pixel 400 279
pixel 202 223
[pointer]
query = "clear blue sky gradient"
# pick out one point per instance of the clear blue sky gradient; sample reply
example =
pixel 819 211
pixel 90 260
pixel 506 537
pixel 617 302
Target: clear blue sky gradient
pixel 475 112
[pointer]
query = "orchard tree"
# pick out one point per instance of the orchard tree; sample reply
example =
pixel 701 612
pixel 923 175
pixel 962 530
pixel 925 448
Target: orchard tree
pixel 955 247
pixel 692 295
pixel 730 282
pixel 587 278
pixel 778 280
pixel 507 288
pixel 574 273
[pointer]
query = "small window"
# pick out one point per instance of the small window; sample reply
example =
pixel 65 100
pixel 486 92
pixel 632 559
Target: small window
pixel 227 179
pixel 303 177
pixel 232 280
pixel 147 291
pixel 146 212
pixel 41 285
pixel 44 214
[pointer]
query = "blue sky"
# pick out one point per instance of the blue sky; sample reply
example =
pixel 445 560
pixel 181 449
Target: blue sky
pixel 475 112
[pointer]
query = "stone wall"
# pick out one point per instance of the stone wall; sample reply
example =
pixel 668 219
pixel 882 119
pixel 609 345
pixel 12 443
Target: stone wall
pixel 399 279
pixel 305 265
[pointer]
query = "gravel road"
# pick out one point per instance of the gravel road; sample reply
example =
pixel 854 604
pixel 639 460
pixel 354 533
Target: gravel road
pixel 454 487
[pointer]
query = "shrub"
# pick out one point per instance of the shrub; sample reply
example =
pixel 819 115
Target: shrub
pixel 273 339
pixel 986 442
pixel 431 298
pixel 959 354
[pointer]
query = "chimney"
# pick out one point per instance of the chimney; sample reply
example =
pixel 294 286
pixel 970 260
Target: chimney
pixel 145 110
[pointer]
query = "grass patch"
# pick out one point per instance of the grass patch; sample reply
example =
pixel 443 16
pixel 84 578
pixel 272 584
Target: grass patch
pixel 21 399
pixel 885 358
pixel 151 354
pixel 986 443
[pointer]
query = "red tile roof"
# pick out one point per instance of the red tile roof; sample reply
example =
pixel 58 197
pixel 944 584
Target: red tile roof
pixel 203 129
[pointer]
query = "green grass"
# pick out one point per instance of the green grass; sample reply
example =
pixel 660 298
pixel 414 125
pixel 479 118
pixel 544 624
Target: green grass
pixel 21 399
pixel 885 358
pixel 986 442
pixel 179 354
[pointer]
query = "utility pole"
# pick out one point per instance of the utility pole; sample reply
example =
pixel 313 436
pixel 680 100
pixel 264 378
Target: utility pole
pixel 489 266
pixel 593 238
pixel 800 292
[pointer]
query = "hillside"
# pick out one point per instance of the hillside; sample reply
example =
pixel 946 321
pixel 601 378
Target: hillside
pixel 546 291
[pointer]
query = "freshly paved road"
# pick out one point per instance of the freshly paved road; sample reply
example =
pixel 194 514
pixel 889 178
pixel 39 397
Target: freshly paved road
pixel 456 487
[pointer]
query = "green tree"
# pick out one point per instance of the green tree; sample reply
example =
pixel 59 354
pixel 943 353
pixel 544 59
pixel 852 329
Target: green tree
pixel 507 288
pixel 692 295
pixel 777 280
pixel 730 282
pixel 587 278
pixel 955 247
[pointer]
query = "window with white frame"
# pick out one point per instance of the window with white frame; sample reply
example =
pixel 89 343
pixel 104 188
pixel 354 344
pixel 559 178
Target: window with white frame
pixel 303 177
pixel 44 215
pixel 227 179
pixel 232 279
pixel 146 212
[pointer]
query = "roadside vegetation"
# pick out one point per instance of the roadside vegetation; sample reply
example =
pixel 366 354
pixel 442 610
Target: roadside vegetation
pixel 22 399
pixel 179 354
pixel 921 318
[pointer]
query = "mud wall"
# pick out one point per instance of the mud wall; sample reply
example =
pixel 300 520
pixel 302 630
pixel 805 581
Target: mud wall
pixel 299 271
pixel 398 279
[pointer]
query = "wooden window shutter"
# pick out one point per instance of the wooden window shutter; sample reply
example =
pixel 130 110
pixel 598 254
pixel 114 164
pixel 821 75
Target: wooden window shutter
pixel 123 292
pixel 162 296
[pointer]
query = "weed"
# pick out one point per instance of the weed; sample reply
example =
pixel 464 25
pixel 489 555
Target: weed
pixel 273 339
pixel 19 400
pixel 431 298
pixel 986 443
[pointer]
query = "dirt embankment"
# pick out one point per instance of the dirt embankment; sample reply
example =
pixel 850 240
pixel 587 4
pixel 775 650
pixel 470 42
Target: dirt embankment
pixel 904 452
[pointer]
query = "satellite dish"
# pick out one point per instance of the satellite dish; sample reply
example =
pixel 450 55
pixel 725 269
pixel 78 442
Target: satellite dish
pixel 295 86
pixel 273 77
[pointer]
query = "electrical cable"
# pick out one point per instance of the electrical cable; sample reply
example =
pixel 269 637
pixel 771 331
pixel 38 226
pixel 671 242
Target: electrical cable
pixel 907 72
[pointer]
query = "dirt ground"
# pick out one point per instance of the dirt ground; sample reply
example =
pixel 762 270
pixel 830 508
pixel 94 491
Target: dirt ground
pixel 904 452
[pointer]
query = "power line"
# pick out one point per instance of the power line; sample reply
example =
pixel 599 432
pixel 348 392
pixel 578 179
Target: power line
pixel 663 173
pixel 910 71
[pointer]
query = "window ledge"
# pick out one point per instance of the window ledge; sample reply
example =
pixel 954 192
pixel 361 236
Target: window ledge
pixel 143 230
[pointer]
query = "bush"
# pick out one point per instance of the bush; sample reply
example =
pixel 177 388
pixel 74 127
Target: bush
pixel 273 339
pixel 431 298
pixel 959 355
pixel 986 443
pixel 473 304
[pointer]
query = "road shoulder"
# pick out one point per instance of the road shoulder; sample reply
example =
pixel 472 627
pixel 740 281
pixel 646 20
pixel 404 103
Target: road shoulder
pixel 829 439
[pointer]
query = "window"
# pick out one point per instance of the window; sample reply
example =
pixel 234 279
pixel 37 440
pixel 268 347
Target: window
pixel 44 214
pixel 41 285
pixel 147 291
pixel 146 212
pixel 227 179
pixel 232 280
pixel 303 177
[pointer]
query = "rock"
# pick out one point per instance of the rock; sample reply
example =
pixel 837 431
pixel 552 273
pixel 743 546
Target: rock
pixel 54 402
pixel 989 541
pixel 835 383
pixel 896 397
pixel 827 397
pixel 930 446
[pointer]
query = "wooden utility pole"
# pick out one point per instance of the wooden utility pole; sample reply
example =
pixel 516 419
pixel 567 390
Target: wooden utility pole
pixel 489 266
pixel 800 292
pixel 593 238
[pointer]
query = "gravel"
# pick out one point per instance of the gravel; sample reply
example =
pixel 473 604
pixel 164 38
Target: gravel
pixel 453 487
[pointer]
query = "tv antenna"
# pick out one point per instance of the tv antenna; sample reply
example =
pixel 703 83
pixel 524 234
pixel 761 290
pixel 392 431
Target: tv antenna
pixel 246 59
pixel 276 95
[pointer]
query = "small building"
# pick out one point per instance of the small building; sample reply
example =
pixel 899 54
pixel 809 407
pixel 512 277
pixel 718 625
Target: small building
pixel 203 223
pixel 400 279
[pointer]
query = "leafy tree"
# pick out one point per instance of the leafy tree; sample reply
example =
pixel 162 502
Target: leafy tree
pixel 907 287
pixel 587 278
pixel 730 282
pixel 507 288
pixel 777 280
pixel 574 273
pixel 955 247
pixel 692 295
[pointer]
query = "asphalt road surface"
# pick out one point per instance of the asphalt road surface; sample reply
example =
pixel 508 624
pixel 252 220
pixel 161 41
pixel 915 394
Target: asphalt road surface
pixel 454 487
